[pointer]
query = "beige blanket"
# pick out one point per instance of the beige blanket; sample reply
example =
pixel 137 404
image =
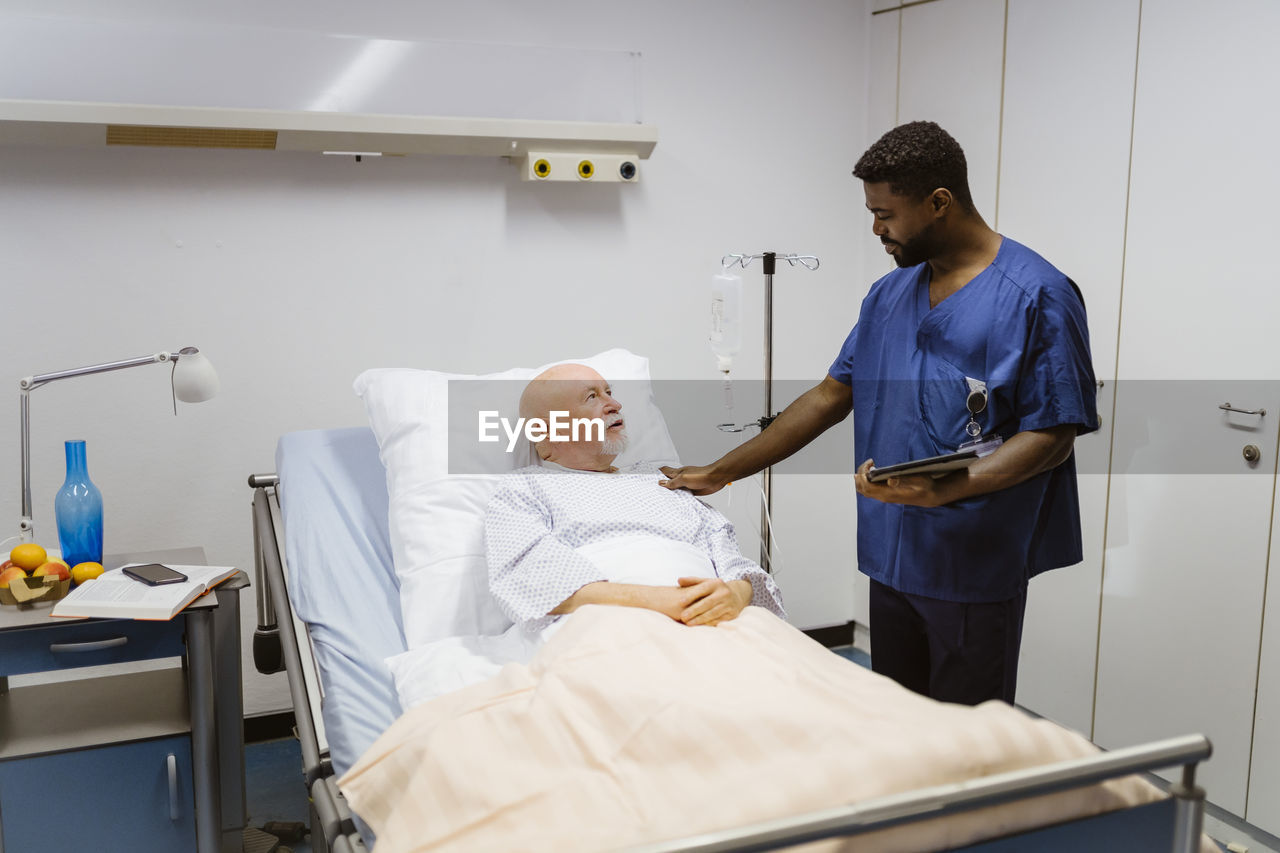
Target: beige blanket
pixel 628 727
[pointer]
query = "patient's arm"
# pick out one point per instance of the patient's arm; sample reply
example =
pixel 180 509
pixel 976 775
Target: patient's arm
pixel 530 570
pixel 718 538
pixel 669 600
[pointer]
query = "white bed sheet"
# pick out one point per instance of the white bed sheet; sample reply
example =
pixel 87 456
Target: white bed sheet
pixel 333 498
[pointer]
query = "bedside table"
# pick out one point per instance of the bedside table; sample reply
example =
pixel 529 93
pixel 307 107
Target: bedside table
pixel 139 758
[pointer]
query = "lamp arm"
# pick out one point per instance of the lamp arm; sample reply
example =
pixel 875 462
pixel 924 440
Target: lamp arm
pixel 29 383
pixel 24 523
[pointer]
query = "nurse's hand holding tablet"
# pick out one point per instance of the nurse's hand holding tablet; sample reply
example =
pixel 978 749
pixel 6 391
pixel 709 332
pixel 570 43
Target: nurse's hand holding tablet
pixel 910 489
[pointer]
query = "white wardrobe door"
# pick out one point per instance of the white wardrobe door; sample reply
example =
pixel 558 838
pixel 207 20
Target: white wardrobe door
pixel 1189 519
pixel 949 72
pixel 882 114
pixel 1263 808
pixel 1064 162
pixel 938 61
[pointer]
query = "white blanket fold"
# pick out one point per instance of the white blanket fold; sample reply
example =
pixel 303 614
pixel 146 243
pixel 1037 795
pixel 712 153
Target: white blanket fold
pixel 628 727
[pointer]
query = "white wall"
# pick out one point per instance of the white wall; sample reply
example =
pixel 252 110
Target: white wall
pixel 295 272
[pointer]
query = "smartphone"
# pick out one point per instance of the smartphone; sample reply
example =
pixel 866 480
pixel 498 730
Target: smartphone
pixel 154 574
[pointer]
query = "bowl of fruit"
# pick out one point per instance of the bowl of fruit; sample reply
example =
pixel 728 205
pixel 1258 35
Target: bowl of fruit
pixel 32 574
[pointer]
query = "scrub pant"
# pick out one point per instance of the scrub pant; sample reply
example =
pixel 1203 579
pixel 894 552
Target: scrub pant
pixel 948 650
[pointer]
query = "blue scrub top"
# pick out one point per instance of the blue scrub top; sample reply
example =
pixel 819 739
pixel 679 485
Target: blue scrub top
pixel 1020 327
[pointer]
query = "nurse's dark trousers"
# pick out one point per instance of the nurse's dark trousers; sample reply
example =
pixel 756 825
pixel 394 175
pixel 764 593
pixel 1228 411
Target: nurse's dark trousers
pixel 951 651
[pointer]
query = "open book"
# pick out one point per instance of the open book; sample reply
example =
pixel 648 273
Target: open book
pixel 115 595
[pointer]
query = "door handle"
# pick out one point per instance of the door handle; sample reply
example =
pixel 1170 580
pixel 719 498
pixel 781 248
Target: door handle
pixel 1227 407
pixel 91 646
pixel 172 763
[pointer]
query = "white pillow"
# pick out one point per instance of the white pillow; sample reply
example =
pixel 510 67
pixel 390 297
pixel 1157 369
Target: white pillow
pixel 440 478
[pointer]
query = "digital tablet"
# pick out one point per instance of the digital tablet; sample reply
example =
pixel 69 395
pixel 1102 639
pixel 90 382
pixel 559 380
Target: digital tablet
pixel 931 465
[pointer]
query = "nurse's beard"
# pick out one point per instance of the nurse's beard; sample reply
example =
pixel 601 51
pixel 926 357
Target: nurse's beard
pixel 916 250
pixel 910 254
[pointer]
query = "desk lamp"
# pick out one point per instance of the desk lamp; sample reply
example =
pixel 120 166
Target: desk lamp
pixel 193 380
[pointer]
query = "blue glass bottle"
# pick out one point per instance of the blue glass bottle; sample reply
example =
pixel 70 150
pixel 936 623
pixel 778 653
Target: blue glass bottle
pixel 78 508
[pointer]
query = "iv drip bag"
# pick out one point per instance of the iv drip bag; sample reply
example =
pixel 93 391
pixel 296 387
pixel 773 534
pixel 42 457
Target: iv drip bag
pixel 726 318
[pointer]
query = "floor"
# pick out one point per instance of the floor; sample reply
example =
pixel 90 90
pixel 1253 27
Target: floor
pixel 276 797
pixel 275 794
pixel 1233 834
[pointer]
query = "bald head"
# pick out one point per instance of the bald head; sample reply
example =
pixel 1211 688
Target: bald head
pixel 555 388
pixel 583 393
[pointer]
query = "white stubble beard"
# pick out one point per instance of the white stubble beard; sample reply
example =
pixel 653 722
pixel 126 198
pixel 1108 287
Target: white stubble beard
pixel 618 443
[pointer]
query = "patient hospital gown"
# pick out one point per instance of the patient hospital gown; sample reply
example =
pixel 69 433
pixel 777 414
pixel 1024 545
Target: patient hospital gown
pixel 541 514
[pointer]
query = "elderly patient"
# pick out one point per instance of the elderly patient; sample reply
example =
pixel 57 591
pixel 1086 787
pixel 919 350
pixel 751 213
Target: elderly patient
pixel 576 530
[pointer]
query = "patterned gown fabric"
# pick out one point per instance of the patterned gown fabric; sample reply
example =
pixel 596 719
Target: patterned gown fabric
pixel 542 514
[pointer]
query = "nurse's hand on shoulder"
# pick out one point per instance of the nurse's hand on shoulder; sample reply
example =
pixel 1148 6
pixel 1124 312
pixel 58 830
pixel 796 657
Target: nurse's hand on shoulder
pixel 913 489
pixel 696 478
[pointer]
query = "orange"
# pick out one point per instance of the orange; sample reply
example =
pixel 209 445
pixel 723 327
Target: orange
pixel 82 572
pixel 28 556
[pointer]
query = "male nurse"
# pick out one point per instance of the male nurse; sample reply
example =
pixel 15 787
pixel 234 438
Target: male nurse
pixel 973 336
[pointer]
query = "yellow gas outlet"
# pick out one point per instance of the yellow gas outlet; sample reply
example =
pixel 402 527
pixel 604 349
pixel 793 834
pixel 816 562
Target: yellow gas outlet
pixel 579 167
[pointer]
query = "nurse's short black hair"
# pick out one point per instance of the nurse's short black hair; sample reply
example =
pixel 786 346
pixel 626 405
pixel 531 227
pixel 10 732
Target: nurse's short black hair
pixel 915 159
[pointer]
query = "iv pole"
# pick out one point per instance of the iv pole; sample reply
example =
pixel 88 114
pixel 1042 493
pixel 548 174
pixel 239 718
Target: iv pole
pixel 809 262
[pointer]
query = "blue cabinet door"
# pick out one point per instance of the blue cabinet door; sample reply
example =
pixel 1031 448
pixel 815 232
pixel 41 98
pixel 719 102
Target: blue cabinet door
pixel 115 798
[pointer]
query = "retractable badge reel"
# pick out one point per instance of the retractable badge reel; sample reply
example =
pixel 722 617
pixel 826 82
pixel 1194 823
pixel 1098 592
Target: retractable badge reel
pixel 976 403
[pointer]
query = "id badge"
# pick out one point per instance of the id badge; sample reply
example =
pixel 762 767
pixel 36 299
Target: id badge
pixel 983 446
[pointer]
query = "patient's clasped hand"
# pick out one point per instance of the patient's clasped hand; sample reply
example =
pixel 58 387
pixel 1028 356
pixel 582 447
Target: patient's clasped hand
pixel 576 530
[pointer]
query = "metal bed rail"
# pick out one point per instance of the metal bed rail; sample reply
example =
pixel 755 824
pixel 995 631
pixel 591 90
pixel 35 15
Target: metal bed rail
pixel 332 817
pixel 267 657
pixel 269 568
pixel 939 801
pixel 274 650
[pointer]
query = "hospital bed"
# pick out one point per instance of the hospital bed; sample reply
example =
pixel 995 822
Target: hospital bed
pixel 329 616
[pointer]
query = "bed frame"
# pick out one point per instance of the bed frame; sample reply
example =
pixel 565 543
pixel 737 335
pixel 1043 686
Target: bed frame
pixel 1170 825
pixel 333 824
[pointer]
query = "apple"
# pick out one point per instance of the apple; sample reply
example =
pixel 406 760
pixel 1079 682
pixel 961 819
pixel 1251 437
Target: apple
pixel 6 564
pixel 10 574
pixel 53 568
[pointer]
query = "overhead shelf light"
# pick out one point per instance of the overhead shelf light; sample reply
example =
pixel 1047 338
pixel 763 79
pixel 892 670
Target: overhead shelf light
pixel 80 125
pixel 349 95
pixel 191 137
